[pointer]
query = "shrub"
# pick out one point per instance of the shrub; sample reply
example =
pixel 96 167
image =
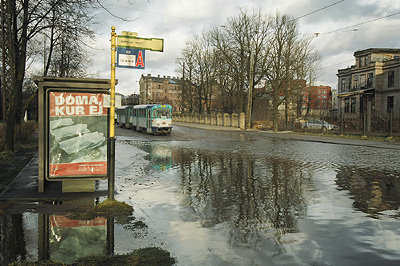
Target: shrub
pixel 25 131
pixel 22 133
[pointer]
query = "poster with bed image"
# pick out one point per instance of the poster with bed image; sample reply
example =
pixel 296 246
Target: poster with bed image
pixel 77 135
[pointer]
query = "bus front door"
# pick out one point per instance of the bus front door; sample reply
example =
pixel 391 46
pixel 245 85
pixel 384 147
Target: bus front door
pixel 148 125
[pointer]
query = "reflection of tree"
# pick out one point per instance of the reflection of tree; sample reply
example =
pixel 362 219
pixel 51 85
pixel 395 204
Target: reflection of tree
pixel 251 195
pixel 13 246
pixel 373 191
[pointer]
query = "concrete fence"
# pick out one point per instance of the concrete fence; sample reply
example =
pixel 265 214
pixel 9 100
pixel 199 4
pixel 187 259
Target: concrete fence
pixel 216 119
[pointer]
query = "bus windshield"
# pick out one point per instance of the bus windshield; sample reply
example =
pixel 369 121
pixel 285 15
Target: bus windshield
pixel 162 113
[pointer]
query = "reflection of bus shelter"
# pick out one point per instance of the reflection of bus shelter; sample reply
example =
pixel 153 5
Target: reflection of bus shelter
pixel 65 239
pixel 73 132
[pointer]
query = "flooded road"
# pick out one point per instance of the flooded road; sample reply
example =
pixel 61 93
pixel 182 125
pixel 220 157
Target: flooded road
pixel 238 198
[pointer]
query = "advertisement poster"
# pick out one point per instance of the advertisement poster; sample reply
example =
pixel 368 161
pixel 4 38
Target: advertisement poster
pixel 77 135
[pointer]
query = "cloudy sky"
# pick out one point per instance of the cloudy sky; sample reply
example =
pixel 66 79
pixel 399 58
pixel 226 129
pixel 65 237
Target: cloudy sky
pixel 343 27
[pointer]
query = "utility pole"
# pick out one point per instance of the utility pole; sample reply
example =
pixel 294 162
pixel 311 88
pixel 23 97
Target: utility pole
pixel 250 90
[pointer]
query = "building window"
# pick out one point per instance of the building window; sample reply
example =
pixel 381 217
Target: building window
pixel 356 82
pixel 353 105
pixel 370 80
pixel 362 81
pixel 347 105
pixel 390 100
pixel 349 86
pixel 390 78
pixel 343 86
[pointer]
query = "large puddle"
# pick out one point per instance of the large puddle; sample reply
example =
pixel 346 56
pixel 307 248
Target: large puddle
pixel 259 202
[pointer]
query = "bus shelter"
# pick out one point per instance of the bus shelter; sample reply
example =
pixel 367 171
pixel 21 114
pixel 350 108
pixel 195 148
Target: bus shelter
pixel 73 132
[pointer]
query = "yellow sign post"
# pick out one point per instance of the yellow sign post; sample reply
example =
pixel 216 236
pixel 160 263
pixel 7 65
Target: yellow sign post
pixel 127 40
pixel 111 169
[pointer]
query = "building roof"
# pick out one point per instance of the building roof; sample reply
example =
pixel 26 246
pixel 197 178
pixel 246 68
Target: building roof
pixel 377 50
pixel 158 79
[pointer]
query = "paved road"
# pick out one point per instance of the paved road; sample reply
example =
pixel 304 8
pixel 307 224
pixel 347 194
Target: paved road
pixel 297 136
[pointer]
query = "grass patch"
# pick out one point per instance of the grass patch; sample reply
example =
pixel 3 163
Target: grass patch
pixel 147 256
pixel 108 208
pixel 113 208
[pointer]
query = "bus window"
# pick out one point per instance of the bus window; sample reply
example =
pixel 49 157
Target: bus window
pixel 163 113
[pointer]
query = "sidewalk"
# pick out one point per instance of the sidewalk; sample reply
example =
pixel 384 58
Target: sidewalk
pixel 24 187
pixel 289 135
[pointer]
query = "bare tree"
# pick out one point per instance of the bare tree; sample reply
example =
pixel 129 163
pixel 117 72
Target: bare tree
pixel 233 43
pixel 220 61
pixel 292 60
pixel 186 63
pixel 26 20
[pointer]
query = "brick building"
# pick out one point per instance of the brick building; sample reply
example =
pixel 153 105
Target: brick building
pixel 317 98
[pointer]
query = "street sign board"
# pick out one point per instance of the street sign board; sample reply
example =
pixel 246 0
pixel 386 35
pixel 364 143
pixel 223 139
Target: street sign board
pixel 152 44
pixel 130 58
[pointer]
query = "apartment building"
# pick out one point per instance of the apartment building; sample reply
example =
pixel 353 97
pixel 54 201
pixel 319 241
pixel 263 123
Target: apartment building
pixel 317 98
pixel 158 89
pixel 371 85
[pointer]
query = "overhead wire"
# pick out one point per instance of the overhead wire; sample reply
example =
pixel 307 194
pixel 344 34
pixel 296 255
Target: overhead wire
pixel 359 24
pixel 315 11
pixel 213 24
pixel 164 15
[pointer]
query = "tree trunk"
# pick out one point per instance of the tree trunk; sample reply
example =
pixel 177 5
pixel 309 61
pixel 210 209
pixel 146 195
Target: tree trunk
pixel 18 57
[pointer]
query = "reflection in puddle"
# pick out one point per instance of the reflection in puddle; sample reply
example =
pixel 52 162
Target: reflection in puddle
pixel 265 206
pixel 249 194
pixel 13 244
pixel 70 240
pixel 231 203
pixel 159 156
pixel 66 238
pixel 373 191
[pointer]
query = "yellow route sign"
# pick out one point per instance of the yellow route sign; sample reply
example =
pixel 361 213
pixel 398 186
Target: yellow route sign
pixel 152 44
